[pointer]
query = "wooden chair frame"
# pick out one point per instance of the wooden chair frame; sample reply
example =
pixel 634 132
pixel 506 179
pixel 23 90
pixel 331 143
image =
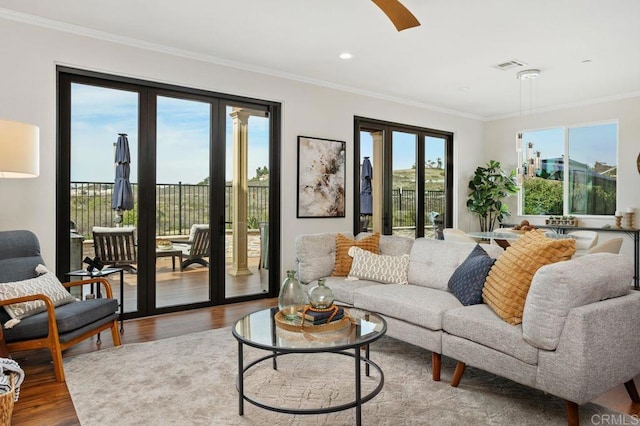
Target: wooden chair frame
pixel 52 340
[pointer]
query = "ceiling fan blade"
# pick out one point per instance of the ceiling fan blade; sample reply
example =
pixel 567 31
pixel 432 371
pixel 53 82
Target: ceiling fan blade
pixel 397 13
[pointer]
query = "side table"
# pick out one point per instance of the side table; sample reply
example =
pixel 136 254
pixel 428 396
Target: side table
pixel 103 274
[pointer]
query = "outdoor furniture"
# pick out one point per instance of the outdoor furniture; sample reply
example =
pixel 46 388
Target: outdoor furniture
pixel 116 247
pixel 196 248
pixel 57 328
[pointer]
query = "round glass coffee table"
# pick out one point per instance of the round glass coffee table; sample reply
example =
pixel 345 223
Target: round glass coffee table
pixel 262 330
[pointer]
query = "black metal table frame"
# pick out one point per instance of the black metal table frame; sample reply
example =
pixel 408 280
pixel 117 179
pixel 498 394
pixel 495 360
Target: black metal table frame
pixel 632 233
pixel 343 350
pixel 102 274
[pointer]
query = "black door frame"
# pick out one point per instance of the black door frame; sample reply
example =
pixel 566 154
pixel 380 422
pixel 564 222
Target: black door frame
pixel 148 91
pixel 387 128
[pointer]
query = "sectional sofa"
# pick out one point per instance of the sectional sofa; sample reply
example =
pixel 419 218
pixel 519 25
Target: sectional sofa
pixel 578 337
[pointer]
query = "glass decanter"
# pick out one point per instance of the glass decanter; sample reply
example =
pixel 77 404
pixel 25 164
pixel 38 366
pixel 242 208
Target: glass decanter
pixel 321 296
pixel 292 297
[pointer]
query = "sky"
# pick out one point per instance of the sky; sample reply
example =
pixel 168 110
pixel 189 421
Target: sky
pixel 98 114
pixel 587 144
pixel 404 149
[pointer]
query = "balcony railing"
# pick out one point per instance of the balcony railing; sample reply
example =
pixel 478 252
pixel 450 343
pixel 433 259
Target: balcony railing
pixel 178 206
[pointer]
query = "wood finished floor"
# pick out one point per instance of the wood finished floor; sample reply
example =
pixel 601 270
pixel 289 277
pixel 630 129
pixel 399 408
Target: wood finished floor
pixel 43 401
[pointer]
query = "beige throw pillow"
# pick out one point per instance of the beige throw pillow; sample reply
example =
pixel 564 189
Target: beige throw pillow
pixel 47 284
pixel 378 267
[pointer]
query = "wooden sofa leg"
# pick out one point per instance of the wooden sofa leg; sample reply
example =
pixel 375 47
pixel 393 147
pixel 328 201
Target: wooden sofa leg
pixel 435 364
pixel 573 419
pixel 632 390
pixel 457 374
pixel 115 334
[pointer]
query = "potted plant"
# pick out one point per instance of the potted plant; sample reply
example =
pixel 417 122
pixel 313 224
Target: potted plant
pixel 489 186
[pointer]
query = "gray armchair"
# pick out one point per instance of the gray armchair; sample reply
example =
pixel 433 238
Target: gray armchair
pixel 57 328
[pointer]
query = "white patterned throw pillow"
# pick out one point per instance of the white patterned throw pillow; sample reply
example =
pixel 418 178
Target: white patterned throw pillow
pixel 47 284
pixel 378 267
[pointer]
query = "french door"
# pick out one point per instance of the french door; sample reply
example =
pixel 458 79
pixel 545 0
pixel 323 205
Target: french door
pixel 403 176
pixel 202 172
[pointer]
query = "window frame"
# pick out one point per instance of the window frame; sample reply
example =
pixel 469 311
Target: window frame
pixel 565 167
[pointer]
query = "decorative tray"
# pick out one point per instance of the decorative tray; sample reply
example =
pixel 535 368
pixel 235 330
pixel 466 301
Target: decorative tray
pixel 283 323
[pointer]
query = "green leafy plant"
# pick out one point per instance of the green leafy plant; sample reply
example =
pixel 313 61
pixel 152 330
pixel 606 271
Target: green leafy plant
pixel 489 186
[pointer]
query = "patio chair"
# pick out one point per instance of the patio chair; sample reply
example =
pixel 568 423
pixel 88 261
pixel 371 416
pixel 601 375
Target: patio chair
pixel 62 322
pixel 197 247
pixel 116 247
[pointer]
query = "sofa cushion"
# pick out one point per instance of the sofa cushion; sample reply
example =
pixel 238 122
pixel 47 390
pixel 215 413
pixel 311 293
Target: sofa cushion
pixel 343 289
pixel 432 262
pixel 480 324
pixel 378 267
pixel 47 284
pixel 316 255
pixel 69 317
pixel 468 279
pixel 509 279
pixel 344 243
pixel 558 288
pixel 418 305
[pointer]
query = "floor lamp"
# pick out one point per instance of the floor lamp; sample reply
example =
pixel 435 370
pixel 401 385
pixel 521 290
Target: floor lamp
pixel 19 150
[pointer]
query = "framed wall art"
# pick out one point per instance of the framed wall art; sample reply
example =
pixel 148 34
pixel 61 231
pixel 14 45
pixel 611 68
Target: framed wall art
pixel 321 178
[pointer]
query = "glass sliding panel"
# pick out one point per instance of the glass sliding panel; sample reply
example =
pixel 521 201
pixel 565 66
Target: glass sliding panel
pixel 403 187
pixel 183 241
pixel 246 189
pixel 543 167
pixel 593 169
pixel 98 115
pixel 435 186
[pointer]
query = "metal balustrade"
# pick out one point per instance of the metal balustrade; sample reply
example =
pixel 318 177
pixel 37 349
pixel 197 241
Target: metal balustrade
pixel 180 205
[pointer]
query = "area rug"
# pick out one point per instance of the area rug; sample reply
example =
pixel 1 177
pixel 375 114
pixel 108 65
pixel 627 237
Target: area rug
pixel 191 380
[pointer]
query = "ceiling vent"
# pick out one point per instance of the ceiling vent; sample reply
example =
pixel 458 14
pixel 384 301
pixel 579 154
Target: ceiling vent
pixel 507 65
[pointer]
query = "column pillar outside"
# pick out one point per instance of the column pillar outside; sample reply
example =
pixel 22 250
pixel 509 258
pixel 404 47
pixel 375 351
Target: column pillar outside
pixel 239 191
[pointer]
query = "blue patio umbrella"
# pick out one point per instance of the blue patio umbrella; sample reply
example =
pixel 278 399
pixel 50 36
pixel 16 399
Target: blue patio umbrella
pixel 122 198
pixel 366 199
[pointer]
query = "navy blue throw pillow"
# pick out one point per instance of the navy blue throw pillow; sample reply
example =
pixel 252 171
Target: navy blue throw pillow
pixel 468 279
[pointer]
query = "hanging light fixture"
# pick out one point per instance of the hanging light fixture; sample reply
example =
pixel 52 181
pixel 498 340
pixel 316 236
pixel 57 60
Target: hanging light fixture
pixel 529 161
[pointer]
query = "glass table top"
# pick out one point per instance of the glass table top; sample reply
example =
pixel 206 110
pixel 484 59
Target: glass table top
pixel 260 329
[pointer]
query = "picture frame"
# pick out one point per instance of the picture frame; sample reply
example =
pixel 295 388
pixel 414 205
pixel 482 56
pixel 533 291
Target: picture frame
pixel 321 178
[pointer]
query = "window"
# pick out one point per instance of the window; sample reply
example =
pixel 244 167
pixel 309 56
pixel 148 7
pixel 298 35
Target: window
pixel 404 178
pixel 586 184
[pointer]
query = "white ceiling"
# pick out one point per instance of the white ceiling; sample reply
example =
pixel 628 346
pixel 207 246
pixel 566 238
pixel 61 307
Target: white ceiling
pixel 446 63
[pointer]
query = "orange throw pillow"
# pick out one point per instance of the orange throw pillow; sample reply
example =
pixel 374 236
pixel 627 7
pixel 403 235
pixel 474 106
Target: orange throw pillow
pixel 509 279
pixel 343 244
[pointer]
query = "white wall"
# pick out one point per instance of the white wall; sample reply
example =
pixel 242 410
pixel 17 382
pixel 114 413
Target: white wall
pixel 28 93
pixel 500 142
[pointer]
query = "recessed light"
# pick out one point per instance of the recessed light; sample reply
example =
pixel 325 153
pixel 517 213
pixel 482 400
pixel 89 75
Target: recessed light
pixel 346 55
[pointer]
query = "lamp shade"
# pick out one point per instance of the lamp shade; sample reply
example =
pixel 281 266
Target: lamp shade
pixel 19 150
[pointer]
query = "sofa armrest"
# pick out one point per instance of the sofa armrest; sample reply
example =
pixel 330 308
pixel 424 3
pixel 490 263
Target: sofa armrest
pixel 599 348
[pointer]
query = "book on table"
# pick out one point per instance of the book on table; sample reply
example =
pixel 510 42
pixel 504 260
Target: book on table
pixel 324 320
pixel 316 317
